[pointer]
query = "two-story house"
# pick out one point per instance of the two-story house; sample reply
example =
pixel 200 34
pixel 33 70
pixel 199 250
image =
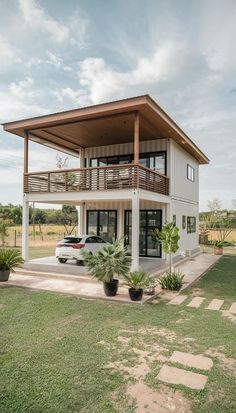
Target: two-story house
pixel 137 169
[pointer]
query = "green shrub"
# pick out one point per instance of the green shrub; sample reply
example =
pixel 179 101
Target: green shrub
pixel 137 280
pixel 171 281
pixel 10 258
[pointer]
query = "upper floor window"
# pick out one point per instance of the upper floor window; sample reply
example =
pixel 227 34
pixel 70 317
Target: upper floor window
pixel 191 225
pixel 153 160
pixel 190 173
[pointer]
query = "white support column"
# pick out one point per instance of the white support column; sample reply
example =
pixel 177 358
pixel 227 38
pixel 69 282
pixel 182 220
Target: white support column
pixel 81 157
pixel 81 226
pixel 120 215
pixel 135 230
pixel 25 229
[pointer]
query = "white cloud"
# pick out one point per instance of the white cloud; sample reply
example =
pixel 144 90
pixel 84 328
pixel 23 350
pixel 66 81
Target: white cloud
pixel 76 97
pixel 171 62
pixel 9 55
pixel 36 17
pixel 23 88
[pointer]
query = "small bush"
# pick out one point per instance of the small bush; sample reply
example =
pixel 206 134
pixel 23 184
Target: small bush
pixel 171 281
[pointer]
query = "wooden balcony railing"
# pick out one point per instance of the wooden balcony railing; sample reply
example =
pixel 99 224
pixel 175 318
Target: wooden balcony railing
pixel 96 178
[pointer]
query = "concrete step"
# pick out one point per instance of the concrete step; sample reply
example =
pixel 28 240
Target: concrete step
pixel 55 275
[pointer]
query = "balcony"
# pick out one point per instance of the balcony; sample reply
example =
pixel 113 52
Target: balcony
pixel 126 176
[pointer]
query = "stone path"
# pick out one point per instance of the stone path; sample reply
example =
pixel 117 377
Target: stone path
pixel 176 375
pixel 191 360
pixel 215 304
pixel 196 302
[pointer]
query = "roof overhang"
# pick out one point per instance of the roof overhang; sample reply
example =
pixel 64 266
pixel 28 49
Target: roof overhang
pixel 104 124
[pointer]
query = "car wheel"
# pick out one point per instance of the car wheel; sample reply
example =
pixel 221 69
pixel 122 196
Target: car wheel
pixel 62 260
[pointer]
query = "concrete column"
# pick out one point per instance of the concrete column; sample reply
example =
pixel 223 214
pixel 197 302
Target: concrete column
pixel 135 230
pixel 81 226
pixel 82 159
pixel 120 221
pixel 25 229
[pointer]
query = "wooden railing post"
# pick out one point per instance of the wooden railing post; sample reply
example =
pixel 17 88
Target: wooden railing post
pixel 49 183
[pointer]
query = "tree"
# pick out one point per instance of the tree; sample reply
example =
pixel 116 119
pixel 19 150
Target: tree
pixel 169 238
pixel 4 224
pixel 62 162
pixel 69 217
pixel 215 205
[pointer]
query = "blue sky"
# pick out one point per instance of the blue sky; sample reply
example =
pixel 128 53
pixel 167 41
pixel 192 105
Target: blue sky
pixel 57 55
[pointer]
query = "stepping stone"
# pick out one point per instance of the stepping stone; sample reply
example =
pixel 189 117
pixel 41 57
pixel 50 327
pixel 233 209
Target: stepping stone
pixel 233 308
pixel 189 379
pixel 215 304
pixel 191 360
pixel 196 302
pixel 178 300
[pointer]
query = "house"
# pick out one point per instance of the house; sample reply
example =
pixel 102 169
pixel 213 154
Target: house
pixel 137 170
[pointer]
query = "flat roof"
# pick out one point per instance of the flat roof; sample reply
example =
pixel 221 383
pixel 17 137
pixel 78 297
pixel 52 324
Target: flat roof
pixel 104 124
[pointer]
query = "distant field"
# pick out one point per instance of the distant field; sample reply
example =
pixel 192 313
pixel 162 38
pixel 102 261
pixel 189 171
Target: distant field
pixel 231 238
pixel 50 235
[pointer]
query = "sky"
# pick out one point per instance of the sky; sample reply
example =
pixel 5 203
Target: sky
pixel 57 55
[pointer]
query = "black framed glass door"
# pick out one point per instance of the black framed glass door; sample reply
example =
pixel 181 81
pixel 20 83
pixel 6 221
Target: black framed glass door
pixel 102 223
pixel 148 221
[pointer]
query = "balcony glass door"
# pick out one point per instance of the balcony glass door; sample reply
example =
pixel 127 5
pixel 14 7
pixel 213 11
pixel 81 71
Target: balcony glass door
pixel 148 221
pixel 102 223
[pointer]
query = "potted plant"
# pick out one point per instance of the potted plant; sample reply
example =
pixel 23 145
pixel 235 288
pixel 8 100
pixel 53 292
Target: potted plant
pixel 109 261
pixel 218 247
pixel 137 282
pixel 9 258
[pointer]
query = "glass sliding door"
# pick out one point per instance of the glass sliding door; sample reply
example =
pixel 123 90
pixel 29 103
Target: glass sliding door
pixel 102 223
pixel 148 221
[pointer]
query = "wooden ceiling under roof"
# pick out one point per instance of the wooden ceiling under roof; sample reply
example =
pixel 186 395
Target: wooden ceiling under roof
pixel 104 124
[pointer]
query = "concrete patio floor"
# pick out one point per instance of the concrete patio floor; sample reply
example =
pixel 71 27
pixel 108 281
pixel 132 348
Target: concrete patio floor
pixel 86 287
pixel 51 264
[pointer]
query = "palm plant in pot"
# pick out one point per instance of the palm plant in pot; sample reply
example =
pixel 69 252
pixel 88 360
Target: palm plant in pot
pixel 137 282
pixel 9 258
pixel 110 261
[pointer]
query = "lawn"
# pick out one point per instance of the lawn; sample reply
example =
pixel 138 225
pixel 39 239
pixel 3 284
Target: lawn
pixel 64 354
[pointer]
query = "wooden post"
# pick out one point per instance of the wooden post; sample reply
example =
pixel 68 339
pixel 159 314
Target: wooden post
pixel 26 152
pixel 136 138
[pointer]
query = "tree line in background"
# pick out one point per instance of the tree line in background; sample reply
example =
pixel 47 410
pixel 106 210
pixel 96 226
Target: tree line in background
pixel 11 215
pixel 223 221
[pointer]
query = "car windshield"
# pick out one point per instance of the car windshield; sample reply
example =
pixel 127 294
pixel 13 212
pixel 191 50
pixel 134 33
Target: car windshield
pixel 70 240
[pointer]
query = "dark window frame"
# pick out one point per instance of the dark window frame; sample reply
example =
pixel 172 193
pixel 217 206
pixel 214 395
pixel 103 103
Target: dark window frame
pixel 142 155
pixel 146 227
pixel 184 221
pixel 98 220
pixel 191 175
pixel 191 226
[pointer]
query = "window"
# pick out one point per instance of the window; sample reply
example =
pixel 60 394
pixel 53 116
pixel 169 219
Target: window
pixel 183 222
pixel 174 219
pixel 191 225
pixel 190 173
pixel 153 160
pixel 102 223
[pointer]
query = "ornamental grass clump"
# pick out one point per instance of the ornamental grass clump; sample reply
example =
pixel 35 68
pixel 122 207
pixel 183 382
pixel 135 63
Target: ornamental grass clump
pixel 171 281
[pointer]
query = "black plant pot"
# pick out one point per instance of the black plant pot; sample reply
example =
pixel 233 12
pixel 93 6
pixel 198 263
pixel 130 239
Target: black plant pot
pixel 4 275
pixel 136 295
pixel 110 288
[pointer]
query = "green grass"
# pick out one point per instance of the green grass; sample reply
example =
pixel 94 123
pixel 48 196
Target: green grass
pixel 54 348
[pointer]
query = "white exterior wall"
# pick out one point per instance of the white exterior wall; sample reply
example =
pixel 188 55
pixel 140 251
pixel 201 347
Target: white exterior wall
pixel 184 194
pixel 188 242
pixel 181 187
